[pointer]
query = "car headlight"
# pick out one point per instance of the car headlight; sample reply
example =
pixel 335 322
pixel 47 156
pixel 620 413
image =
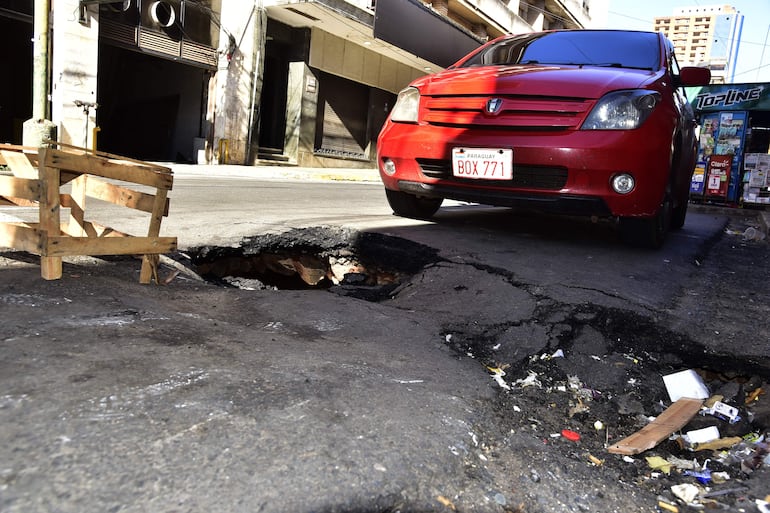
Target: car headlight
pixel 622 110
pixel 407 106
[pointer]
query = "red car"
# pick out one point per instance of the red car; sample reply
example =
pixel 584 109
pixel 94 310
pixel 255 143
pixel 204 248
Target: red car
pixel 576 122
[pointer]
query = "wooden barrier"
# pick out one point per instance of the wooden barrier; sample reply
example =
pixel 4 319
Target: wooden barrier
pixel 35 177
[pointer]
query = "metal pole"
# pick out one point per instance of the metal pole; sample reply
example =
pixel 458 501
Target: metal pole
pixel 40 60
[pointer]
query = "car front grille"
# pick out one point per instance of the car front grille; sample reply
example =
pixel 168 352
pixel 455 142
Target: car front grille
pixel 530 177
pixel 520 113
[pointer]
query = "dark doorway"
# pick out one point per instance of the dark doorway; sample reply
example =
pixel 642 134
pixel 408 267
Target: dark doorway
pixel 272 108
pixel 150 108
pixel 15 87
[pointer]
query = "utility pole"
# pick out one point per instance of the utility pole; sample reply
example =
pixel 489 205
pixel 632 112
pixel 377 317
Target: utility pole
pixel 39 128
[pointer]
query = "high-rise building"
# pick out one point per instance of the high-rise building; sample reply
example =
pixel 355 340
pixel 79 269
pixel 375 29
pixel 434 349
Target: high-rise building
pixel 705 36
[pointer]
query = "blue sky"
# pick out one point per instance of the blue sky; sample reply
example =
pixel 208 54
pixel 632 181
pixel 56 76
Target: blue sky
pixel 639 15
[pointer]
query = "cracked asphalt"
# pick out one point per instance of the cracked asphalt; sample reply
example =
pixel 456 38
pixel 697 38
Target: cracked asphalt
pixel 115 396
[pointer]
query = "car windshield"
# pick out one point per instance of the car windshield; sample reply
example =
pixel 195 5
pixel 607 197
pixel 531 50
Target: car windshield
pixel 579 48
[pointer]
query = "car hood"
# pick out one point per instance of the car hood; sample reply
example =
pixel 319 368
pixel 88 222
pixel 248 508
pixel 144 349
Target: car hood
pixel 563 81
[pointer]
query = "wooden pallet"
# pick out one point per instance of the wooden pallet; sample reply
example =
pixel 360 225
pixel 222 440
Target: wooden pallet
pixel 35 177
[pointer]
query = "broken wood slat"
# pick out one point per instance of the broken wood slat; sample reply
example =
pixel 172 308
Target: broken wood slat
pixel 122 196
pixel 673 419
pixel 71 246
pixel 12 187
pixel 158 177
pixel 150 262
pixel 76 201
pixel 20 165
pixel 21 236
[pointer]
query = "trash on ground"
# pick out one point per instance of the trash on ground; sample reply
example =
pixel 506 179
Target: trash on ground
pixel 686 383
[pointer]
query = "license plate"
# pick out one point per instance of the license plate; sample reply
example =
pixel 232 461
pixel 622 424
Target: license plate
pixel 482 163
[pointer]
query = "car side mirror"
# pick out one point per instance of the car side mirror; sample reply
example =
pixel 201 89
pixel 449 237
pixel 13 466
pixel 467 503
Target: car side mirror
pixel 692 76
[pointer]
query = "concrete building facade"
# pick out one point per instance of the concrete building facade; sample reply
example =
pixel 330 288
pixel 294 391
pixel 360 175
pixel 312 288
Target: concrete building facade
pixel 304 82
pixel 706 36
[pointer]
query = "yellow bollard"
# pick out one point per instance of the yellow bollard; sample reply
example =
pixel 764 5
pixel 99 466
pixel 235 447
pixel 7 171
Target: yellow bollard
pixel 94 131
pixel 224 151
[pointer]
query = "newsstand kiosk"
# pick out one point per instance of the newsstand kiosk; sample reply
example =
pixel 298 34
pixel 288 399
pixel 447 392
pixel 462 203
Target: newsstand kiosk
pixel 733 165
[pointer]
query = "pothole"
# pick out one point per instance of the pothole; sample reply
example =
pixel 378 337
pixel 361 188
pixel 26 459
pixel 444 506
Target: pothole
pixel 362 264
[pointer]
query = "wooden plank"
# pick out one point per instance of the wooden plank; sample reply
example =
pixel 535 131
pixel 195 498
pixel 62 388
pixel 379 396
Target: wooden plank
pixel 122 196
pixel 71 246
pixel 20 165
pixel 20 188
pixel 50 215
pixel 20 236
pixel 77 204
pixel 93 230
pixel 150 263
pixel 673 419
pixel 153 176
pixel 17 202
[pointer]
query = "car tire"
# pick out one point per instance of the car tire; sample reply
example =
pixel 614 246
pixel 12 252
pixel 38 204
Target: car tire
pixel 678 215
pixel 648 232
pixel 409 205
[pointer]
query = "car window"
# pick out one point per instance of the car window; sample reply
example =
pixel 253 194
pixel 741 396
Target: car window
pixel 580 47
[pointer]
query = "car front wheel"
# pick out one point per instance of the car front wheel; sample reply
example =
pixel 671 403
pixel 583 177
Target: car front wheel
pixel 409 205
pixel 648 232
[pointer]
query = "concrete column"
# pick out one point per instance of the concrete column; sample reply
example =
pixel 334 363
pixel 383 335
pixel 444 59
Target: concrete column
pixel 74 72
pixel 235 87
pixel 40 128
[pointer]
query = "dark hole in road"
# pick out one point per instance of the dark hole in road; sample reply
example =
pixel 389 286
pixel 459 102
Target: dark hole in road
pixel 361 264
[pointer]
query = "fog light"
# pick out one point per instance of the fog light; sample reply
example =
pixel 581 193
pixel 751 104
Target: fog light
pixel 389 167
pixel 623 183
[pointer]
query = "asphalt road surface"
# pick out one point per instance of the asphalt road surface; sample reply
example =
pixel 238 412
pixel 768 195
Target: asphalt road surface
pixel 193 396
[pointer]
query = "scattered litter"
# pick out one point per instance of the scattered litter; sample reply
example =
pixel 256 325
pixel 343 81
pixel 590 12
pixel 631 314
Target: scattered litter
pixel 659 463
pixel 662 504
pixel 723 411
pixel 720 443
pixel 701 436
pixel 763 505
pixel 686 383
pixel 529 381
pixel 703 476
pixel 754 395
pixel 446 502
pixel 570 435
pixel 752 233
pixel 596 461
pixel 497 375
pixel 598 425
pixel 686 492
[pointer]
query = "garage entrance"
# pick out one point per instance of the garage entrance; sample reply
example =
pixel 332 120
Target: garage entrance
pixel 150 108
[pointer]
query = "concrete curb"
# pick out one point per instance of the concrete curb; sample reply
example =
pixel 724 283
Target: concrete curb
pixel 277 172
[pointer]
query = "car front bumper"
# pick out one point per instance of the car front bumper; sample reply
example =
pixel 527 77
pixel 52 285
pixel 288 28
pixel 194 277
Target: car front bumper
pixel 562 172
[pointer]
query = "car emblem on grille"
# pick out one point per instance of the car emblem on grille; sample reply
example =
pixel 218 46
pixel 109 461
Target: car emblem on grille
pixel 493 105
